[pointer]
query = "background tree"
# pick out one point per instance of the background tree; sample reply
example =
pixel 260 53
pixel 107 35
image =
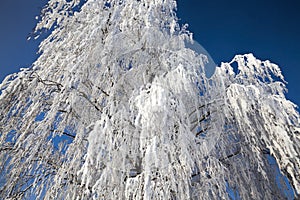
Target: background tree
pixel 118 106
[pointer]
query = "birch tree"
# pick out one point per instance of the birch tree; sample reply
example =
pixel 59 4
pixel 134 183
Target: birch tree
pixel 118 106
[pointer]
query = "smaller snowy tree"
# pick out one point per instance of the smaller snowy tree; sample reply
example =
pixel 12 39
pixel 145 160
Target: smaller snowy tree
pixel 119 106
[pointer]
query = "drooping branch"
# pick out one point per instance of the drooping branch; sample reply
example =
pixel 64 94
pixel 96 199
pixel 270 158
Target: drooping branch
pixel 64 133
pixel 49 82
pixel 201 131
pixel 82 94
pixel 197 121
pixel 237 152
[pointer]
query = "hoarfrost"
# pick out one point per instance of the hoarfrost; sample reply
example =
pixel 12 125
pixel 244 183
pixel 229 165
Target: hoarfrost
pixel 137 114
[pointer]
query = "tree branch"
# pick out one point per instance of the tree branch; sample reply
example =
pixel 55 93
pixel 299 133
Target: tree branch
pixel 64 133
pixel 230 155
pixel 49 82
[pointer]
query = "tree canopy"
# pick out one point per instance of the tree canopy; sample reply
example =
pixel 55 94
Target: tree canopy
pixel 118 106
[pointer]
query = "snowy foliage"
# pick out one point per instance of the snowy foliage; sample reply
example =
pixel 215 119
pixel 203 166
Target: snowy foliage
pixel 117 107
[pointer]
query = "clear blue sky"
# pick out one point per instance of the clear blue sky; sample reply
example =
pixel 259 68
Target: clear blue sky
pixel 17 19
pixel 270 29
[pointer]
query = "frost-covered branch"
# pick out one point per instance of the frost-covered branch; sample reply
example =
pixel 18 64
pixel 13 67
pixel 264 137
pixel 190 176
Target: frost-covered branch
pixel 118 106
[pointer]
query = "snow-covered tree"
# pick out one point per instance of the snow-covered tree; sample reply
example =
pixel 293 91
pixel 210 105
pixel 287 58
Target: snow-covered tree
pixel 117 106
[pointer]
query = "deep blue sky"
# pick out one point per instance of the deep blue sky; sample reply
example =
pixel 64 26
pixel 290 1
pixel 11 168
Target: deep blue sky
pixel 17 19
pixel 270 29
